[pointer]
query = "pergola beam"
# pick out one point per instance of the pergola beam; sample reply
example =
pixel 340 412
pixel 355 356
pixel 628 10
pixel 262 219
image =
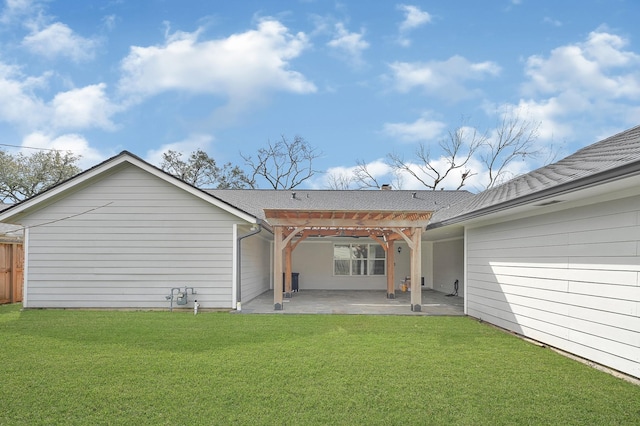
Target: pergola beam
pixel 384 227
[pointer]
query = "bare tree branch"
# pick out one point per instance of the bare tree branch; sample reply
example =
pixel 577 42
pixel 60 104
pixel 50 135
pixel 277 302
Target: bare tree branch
pixel 201 171
pixel 284 164
pixel 514 137
pixel 338 181
pixel 458 148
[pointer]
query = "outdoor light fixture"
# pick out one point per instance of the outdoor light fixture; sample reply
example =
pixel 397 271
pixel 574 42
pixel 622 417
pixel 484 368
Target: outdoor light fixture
pixel 399 249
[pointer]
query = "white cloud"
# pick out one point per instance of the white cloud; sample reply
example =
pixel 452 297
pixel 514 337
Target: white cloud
pixel 66 142
pixel 18 104
pixel 587 67
pixel 243 67
pixel 15 9
pixel 414 17
pixel 76 109
pixel 349 45
pixel 423 129
pixel 186 146
pixel 58 40
pixel 444 79
pixel 81 108
pixel 580 83
pixel 551 21
pixel 378 169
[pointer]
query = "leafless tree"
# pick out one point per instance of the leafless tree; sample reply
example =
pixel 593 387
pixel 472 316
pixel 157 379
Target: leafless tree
pixel 513 137
pixel 339 181
pixel 284 164
pixel 364 178
pixel 458 148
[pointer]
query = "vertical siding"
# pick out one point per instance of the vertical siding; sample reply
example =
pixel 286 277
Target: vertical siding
pixel 570 279
pixel 448 266
pixel 147 237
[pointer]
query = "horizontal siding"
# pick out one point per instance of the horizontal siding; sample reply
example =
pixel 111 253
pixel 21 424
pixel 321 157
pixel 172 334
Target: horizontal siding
pixel 448 266
pixel 256 266
pixel 570 279
pixel 144 237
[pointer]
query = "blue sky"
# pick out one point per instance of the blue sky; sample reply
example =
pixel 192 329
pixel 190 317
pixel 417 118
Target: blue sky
pixel 356 79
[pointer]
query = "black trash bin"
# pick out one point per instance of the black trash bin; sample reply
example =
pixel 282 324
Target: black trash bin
pixel 295 281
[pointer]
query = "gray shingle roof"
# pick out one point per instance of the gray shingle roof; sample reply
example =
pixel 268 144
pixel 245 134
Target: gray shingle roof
pixel 253 201
pixel 616 155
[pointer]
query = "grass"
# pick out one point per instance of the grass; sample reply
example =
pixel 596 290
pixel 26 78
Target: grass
pixel 104 367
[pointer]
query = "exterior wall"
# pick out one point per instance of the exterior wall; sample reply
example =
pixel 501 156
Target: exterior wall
pixel 570 279
pixel 313 260
pixel 147 237
pixel 448 266
pixel 256 265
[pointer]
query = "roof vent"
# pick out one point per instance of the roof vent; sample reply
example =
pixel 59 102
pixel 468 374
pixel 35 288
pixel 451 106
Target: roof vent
pixel 293 195
pixel 385 187
pixel 413 195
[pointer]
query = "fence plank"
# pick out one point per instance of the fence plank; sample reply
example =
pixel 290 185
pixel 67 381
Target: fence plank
pixel 11 272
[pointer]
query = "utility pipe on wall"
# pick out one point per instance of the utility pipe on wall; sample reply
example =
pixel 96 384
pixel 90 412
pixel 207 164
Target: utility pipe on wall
pixel 239 263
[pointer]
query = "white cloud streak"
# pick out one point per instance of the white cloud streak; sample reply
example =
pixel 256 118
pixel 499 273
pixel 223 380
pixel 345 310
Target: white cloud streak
pixel 414 17
pixel 58 40
pixel 443 79
pixel 423 129
pixel 349 45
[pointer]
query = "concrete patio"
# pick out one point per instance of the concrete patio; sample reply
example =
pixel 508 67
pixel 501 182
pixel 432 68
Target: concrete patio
pixel 356 302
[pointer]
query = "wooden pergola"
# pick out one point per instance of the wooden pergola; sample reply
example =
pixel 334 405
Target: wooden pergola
pixel 291 227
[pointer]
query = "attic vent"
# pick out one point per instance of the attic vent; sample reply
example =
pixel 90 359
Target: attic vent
pixel 385 187
pixel 293 195
pixel 413 195
pixel 548 203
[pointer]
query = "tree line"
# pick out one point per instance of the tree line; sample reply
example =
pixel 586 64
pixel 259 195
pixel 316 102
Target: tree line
pixel 288 163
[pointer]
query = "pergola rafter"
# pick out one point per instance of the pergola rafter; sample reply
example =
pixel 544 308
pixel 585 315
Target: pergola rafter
pixel 384 227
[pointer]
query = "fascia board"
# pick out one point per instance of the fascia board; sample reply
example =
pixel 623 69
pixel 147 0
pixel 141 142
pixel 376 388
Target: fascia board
pixel 629 173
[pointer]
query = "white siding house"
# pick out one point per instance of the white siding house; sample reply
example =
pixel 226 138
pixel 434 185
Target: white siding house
pixel 554 255
pixel 124 234
pixel 569 279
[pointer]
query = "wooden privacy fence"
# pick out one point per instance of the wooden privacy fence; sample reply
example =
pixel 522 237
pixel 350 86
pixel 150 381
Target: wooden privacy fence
pixel 11 272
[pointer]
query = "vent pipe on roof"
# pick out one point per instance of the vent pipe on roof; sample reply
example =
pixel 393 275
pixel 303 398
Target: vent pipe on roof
pixel 413 195
pixel 385 187
pixel 293 195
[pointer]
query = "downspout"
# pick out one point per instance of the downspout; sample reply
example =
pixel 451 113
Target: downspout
pixel 239 239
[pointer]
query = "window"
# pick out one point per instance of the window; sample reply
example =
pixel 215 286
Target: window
pixel 358 259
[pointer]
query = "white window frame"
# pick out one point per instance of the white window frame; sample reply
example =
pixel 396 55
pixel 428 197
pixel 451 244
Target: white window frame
pixel 369 260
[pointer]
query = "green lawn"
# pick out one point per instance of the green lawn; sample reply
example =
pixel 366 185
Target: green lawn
pixel 102 367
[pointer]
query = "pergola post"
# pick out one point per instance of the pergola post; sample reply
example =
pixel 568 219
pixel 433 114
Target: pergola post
pixel 382 226
pixel 287 270
pixel 277 268
pixel 416 270
pixel 391 292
